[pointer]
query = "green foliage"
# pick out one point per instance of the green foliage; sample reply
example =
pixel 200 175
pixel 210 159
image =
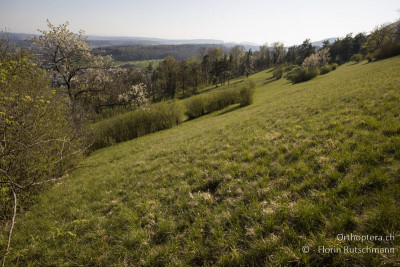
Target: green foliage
pixel 37 144
pixel 369 57
pixel 164 115
pixel 356 58
pixel 134 124
pixel 334 66
pixel 302 75
pixel 343 48
pixel 246 94
pixel 325 69
pixel 197 106
pixel 278 72
pixel 383 42
pixel 390 50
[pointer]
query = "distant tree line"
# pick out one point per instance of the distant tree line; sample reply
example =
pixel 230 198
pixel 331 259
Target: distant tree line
pixel 174 78
pixel 186 68
pixel 215 66
pixel 146 52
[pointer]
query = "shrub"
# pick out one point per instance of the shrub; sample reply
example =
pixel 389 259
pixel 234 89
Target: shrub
pixel 36 137
pixel 134 124
pixel 278 72
pixel 197 106
pixel 246 94
pixel 325 69
pixel 203 104
pixel 319 59
pixel 384 42
pixel 356 57
pixel 311 62
pixel 334 66
pixel 390 50
pixel 37 143
pixel 369 57
pixel 164 115
pixel 302 75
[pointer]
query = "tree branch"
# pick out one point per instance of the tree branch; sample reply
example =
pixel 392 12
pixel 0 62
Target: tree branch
pixel 11 228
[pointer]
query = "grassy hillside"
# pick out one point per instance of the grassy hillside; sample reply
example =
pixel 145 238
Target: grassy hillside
pixel 250 185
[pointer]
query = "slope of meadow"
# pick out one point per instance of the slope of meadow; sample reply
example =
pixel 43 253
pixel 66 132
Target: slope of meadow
pixel 242 186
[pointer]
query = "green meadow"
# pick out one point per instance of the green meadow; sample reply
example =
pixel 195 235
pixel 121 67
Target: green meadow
pixel 251 185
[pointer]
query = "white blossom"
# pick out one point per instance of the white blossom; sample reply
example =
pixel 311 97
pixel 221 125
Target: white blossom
pixel 317 60
pixel 137 95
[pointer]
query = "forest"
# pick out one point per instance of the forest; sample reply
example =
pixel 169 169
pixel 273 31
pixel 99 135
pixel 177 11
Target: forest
pixel 146 52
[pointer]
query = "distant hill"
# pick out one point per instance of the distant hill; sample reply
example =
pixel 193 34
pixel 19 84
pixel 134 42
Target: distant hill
pixel 100 41
pixel 103 41
pixel 149 52
pixel 145 48
pixel 320 43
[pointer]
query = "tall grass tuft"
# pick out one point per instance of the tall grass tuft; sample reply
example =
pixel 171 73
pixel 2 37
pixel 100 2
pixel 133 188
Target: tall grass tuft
pixel 137 123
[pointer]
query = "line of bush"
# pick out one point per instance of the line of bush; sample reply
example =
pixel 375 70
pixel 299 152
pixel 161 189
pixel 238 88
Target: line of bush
pixel 134 124
pixel 304 74
pixel 203 104
pixel 164 115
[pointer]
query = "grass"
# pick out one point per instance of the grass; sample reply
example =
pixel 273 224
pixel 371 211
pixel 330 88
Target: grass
pixel 248 186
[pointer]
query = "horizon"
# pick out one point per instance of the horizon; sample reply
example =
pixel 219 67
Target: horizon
pixel 216 41
pixel 291 23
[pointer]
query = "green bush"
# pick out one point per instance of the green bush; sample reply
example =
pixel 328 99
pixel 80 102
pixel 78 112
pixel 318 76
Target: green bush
pixel 387 51
pixel 203 104
pixel 38 143
pixel 278 72
pixel 325 69
pixel 164 115
pixel 246 94
pixel 369 57
pixel 356 58
pixel 334 66
pixel 197 106
pixel 134 124
pixel 302 75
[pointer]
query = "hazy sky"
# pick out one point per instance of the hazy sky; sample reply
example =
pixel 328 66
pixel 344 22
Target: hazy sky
pixel 257 21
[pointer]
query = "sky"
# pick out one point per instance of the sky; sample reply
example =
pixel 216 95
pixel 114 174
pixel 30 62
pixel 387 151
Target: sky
pixel 256 21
